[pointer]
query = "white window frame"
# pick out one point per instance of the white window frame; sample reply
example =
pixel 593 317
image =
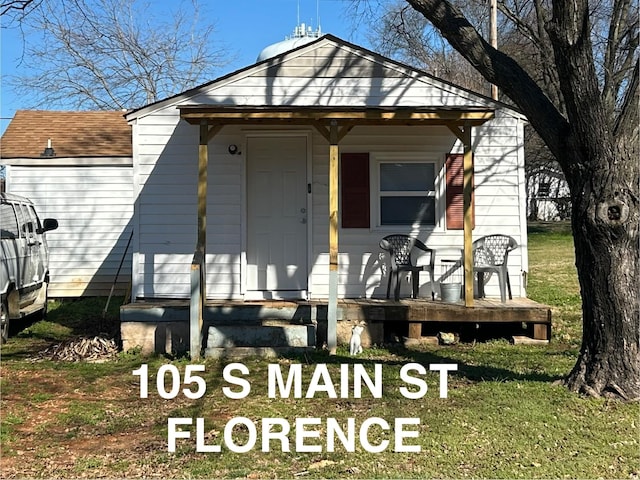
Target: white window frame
pixel 376 159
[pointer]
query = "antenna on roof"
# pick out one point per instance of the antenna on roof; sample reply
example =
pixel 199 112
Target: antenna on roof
pixel 303 30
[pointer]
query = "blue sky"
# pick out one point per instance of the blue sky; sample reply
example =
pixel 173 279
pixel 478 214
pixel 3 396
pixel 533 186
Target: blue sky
pixel 246 25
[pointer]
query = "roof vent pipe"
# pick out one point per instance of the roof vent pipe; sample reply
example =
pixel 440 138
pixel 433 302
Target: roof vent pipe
pixel 48 151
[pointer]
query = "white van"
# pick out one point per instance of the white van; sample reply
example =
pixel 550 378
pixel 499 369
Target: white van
pixel 24 260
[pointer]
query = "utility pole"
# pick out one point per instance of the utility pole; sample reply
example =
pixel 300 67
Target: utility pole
pixel 493 38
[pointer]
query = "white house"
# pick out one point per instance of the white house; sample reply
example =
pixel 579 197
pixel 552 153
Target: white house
pixel 290 171
pixel 548 193
pixel 76 167
pixel 278 181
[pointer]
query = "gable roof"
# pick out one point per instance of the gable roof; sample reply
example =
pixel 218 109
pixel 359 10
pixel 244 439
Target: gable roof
pixel 72 134
pixel 332 61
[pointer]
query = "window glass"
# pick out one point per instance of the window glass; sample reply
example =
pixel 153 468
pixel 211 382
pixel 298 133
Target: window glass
pixel 24 221
pixel 544 188
pixel 8 222
pixel 406 177
pixel 407 210
pixel 34 218
pixel 407 193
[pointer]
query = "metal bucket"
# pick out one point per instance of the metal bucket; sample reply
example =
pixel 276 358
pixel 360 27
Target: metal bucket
pixel 450 292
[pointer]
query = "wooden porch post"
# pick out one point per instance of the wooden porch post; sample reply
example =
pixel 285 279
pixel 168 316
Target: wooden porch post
pixel 332 309
pixel 203 160
pixel 198 266
pixel 467 193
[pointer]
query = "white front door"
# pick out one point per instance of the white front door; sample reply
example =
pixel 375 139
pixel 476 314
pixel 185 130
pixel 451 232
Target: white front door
pixel 277 216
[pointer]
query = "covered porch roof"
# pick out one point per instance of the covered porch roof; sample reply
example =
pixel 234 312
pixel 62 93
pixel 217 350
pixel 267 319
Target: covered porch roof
pixel 364 115
pixel 324 116
pixel 333 123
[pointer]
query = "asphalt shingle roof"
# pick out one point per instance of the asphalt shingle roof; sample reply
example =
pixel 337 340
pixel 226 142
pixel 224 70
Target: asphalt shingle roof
pixel 72 134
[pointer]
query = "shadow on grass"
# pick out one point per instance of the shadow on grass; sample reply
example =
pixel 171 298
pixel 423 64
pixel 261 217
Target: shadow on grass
pixel 476 372
pixel 558 228
pixel 86 316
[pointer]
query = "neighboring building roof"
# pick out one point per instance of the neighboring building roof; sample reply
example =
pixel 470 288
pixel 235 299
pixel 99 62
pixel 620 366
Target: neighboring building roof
pixel 72 134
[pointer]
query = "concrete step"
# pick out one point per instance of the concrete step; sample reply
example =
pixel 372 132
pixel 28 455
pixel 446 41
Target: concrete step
pixel 226 336
pixel 267 340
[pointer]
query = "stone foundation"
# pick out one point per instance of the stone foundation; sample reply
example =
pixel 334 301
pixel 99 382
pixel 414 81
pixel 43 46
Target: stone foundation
pixel 164 338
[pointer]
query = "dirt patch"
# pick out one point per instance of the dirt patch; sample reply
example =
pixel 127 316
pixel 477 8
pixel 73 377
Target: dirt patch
pixel 58 429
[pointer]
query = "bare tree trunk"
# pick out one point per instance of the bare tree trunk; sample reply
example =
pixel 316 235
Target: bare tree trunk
pixel 605 231
pixel 603 179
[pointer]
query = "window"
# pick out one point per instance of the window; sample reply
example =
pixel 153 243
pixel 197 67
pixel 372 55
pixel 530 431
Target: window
pixel 407 193
pixel 24 221
pixel 544 189
pixel 401 190
pixel 34 219
pixel 8 222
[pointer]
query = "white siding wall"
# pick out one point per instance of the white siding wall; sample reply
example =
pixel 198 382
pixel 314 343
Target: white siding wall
pixel 93 206
pixel 166 176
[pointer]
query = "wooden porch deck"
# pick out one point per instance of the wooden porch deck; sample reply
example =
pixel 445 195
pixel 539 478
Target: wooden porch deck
pixel 407 315
pixel 419 311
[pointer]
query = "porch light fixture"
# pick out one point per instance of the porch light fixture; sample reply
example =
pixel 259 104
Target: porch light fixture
pixel 233 149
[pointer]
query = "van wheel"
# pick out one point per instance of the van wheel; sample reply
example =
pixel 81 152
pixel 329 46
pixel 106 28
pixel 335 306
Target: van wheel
pixel 4 322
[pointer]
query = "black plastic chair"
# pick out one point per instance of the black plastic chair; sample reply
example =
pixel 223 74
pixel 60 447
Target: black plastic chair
pixel 400 248
pixel 490 255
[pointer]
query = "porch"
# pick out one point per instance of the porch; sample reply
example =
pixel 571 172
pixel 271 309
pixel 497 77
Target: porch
pixel 275 327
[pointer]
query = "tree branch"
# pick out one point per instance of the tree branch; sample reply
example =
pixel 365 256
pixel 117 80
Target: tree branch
pixel 123 57
pixel 570 33
pixel 626 126
pixel 620 52
pixel 7 6
pixel 498 69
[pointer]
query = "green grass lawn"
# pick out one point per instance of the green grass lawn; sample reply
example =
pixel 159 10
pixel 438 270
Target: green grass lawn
pixel 505 416
pixel 552 278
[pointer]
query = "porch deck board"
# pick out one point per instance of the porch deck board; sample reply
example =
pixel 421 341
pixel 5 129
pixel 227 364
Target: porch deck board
pixel 419 311
pixel 359 309
pixel 484 310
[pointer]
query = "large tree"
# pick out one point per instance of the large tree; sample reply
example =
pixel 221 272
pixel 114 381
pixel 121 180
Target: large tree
pixel 108 54
pixel 591 126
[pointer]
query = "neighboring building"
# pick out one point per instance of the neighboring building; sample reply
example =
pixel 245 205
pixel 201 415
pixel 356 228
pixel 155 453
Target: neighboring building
pixel 76 167
pixel 268 133
pixel 548 193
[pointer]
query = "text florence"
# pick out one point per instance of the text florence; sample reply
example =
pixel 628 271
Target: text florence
pixel 241 435
pixel 314 434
